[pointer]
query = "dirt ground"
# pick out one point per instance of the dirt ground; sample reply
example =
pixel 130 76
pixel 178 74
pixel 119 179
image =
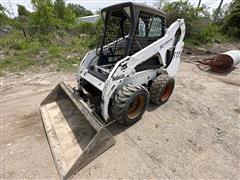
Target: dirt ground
pixel 196 134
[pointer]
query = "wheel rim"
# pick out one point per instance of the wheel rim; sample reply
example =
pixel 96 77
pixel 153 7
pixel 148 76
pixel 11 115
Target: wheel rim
pixel 136 107
pixel 167 91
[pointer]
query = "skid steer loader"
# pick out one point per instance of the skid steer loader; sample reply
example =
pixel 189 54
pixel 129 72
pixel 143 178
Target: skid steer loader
pixel 135 63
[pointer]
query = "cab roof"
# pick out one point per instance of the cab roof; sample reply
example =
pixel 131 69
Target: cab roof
pixel 135 6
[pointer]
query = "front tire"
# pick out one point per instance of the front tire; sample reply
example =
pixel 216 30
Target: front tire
pixel 129 104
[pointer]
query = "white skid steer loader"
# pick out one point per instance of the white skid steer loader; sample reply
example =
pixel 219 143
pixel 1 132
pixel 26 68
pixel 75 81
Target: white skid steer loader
pixel 135 63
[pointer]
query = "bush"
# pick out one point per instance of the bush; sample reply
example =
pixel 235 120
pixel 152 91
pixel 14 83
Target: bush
pixel 208 34
pixel 86 28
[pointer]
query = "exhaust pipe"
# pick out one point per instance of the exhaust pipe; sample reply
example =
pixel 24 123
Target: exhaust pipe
pixel 75 135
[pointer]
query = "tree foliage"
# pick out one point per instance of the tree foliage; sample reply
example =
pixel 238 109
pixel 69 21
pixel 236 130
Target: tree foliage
pixel 231 23
pixel 49 15
pixel 4 19
pixel 79 10
pixel 2 10
pixel 59 8
pixel 43 16
pixel 22 11
pixel 195 18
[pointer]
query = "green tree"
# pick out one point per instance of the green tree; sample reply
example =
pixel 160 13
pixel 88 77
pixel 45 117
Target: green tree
pixel 59 8
pixel 195 17
pixel 22 21
pixel 63 12
pixel 4 19
pixel 49 15
pixel 43 15
pixel 231 23
pixel 22 11
pixel 79 10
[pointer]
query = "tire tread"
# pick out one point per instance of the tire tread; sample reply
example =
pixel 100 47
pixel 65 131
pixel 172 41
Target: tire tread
pixel 121 99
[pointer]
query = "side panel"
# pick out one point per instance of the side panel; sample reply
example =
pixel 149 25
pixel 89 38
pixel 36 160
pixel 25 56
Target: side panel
pixel 86 61
pixel 140 77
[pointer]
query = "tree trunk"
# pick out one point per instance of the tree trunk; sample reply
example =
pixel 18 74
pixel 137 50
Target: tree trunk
pixel 217 11
pixel 199 3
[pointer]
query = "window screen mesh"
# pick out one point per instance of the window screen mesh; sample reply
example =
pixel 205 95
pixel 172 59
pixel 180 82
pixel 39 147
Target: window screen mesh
pixel 150 28
pixel 117 30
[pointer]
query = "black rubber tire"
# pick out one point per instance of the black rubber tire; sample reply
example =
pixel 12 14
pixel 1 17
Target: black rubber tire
pixel 158 88
pixel 122 101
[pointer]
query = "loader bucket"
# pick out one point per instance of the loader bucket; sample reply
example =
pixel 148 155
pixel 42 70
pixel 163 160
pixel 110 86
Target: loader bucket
pixel 75 135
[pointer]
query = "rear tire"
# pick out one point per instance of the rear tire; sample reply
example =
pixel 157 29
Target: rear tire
pixel 129 104
pixel 161 89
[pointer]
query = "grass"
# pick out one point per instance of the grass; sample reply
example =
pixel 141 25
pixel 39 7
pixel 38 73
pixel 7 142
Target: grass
pixel 60 53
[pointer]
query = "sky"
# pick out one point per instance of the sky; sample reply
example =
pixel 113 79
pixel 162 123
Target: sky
pixel 95 5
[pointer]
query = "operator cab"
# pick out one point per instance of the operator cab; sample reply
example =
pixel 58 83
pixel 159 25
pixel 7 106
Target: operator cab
pixel 129 27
